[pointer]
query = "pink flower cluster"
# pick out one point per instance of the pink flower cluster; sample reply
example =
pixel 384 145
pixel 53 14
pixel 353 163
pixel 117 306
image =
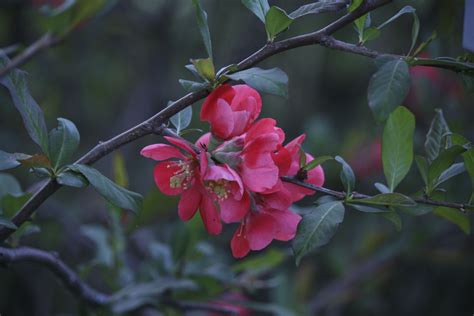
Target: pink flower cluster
pixel 232 174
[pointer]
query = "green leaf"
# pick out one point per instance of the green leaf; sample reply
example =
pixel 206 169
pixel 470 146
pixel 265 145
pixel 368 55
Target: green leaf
pixel 468 157
pixel 317 228
pixel 113 193
pixel 388 199
pixel 416 23
pixel 347 175
pixel 273 81
pixel 434 139
pixel 120 171
pixel 452 171
pixel 5 222
pixel 276 21
pixel 393 217
pixel 265 261
pixel 193 86
pixel 63 142
pixel 9 185
pixel 416 210
pixel 441 163
pixel 302 158
pixel 103 248
pixel 454 216
pixel 201 17
pixel 205 68
pixel 316 162
pixel 423 166
pixel 368 209
pixel 382 188
pixel 388 87
pixel 370 33
pixel 8 161
pixel 258 7
pixel 32 115
pixel 360 23
pixel 397 146
pixel 12 203
pixel 72 179
pixel 182 119
pixel 457 139
pixel 317 7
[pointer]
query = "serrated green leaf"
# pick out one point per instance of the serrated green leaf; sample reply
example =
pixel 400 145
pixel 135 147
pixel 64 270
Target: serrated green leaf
pixel 63 142
pixel 31 113
pixel 444 160
pixel 317 228
pixel 276 21
pixel 113 193
pixel 273 81
pixel 397 146
pixel 347 175
pixel 316 162
pixel 388 199
pixel 201 17
pixel 258 7
pixel 434 139
pixel 388 88
pixel 317 8
pixel 182 119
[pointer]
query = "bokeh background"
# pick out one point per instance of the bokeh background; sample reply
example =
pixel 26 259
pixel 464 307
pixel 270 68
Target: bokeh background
pixel 123 66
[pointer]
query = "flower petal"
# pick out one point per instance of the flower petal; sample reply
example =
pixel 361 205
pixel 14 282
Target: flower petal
pixel 162 175
pixel 239 243
pixel 260 179
pixel 260 230
pixel 181 143
pixel 210 216
pixel 286 224
pixel 233 210
pixel 225 92
pixel 189 203
pixel 161 152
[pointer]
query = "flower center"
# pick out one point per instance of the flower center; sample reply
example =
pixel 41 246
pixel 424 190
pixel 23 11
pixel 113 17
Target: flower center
pixel 220 188
pixel 183 176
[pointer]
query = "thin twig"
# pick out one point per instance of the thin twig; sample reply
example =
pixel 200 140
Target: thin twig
pixel 44 42
pixel 81 289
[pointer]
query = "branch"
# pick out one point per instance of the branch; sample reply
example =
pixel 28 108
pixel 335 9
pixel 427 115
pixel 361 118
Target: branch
pixel 44 42
pixel 358 196
pixel 82 290
pixel 149 126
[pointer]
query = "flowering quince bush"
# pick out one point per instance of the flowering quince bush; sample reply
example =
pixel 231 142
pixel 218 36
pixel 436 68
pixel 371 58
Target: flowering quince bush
pixel 232 174
pixel 245 171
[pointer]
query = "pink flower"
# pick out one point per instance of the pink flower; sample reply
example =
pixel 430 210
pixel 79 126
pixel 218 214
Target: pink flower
pixel 257 169
pixel 231 110
pixel 184 176
pixel 260 227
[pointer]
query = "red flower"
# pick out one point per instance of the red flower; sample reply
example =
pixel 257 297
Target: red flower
pixel 260 227
pixel 184 176
pixel 231 110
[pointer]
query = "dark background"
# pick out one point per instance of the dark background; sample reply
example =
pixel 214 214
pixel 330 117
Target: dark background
pixel 123 66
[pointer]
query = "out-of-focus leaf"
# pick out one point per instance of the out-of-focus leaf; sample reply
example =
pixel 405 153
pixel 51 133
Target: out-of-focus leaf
pixel 9 185
pixel 182 119
pixel 35 161
pixel 389 199
pixel 416 23
pixel 347 175
pixel 454 216
pixel 382 188
pixel 423 166
pixel 388 87
pixel 193 86
pixel 258 7
pixel 12 203
pixel 393 217
pixel 72 179
pixel 113 193
pixel 120 171
pixel 134 296
pixel 201 17
pixel 32 115
pixel 397 146
pixel 63 142
pixel 434 139
pixel 205 68
pixel 9 161
pixel 317 228
pixel 273 81
pixel 468 157
pixel 276 21
pixel 100 236
pixel 318 7
pixel 5 222
pixel 265 261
